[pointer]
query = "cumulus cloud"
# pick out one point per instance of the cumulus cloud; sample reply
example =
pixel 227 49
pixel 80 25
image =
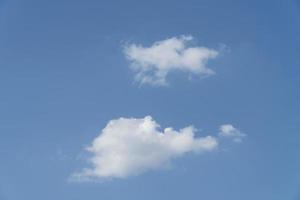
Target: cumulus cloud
pixel 131 146
pixel 229 131
pixel 153 64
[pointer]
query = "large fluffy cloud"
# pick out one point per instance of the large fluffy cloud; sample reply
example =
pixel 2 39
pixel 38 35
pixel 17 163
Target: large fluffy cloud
pixel 153 64
pixel 130 146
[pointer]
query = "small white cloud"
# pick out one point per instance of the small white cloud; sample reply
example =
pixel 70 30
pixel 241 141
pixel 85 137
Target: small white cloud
pixel 153 64
pixel 131 146
pixel 229 131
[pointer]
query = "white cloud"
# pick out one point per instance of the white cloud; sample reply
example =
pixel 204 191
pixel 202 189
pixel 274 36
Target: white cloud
pixel 131 146
pixel 153 64
pixel 229 131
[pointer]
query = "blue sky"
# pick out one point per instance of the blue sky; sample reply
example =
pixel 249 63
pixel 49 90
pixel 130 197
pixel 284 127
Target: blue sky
pixel 64 75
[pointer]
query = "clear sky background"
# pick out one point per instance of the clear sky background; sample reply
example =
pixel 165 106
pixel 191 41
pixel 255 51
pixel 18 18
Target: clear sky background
pixel 63 76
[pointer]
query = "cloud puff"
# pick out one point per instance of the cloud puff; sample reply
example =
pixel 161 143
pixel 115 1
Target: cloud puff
pixel 153 64
pixel 131 146
pixel 229 131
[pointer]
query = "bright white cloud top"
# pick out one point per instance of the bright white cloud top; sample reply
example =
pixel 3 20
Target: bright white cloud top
pixel 153 64
pixel 130 146
pixel 229 131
